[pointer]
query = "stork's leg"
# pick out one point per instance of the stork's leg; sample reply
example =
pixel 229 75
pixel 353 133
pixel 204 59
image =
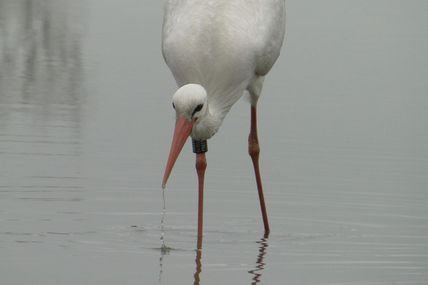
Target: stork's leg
pixel 254 151
pixel 200 147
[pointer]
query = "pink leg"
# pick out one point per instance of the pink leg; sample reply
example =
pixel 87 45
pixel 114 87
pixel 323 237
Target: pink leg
pixel 201 165
pixel 254 151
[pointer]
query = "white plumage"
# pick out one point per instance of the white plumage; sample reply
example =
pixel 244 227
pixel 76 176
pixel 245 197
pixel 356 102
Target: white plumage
pixel 226 46
pixel 218 50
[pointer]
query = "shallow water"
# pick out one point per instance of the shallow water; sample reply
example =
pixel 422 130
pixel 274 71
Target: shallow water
pixel 85 127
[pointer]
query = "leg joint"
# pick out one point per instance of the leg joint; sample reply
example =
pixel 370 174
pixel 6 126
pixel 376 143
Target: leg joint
pixel 253 145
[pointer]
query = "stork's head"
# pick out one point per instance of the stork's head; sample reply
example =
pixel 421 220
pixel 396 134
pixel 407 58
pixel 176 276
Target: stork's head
pixel 190 104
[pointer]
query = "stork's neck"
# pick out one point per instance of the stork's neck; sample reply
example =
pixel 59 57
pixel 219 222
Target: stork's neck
pixel 208 124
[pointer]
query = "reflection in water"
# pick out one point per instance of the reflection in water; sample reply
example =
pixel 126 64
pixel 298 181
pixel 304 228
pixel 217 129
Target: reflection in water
pixel 256 272
pixel 198 261
pixel 164 250
pixel 41 74
pixel 163 253
pixel 260 264
pixel 40 57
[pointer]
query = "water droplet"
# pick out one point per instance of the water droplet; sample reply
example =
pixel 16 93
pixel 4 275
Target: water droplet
pixel 162 237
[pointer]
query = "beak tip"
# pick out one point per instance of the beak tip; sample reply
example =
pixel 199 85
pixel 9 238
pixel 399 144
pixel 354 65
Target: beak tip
pixel 183 128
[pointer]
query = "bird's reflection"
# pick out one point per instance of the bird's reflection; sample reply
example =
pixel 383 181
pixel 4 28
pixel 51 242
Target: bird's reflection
pixel 198 260
pixel 256 272
pixel 260 263
pixel 164 251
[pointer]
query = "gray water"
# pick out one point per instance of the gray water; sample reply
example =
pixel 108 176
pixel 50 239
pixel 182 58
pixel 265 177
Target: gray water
pixel 85 128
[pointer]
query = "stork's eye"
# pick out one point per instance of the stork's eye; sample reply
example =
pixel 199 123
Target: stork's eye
pixel 197 109
pixel 173 106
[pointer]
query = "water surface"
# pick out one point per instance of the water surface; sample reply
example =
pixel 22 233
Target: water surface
pixel 85 124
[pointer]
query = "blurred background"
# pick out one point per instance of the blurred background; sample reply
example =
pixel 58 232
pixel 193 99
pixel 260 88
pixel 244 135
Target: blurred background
pixel 86 123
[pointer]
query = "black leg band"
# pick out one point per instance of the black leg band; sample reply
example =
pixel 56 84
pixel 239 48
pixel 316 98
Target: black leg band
pixel 199 146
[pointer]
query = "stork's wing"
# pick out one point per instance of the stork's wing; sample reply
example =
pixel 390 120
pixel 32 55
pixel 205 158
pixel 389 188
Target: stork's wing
pixel 270 21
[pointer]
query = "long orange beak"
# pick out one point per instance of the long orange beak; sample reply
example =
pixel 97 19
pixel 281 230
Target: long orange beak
pixel 182 131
